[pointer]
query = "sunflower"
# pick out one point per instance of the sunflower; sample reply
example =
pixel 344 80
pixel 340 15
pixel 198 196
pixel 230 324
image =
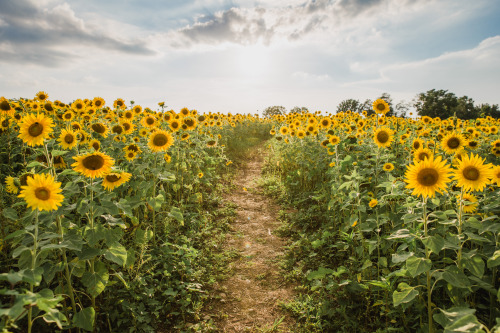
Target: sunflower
pixel 472 174
pixel 334 140
pixel 470 202
pixel 213 143
pixel 373 203
pixel 160 141
pixel 119 104
pixel 100 128
pixel 130 155
pixel 174 125
pixel 128 127
pixel 200 175
pixel 59 162
pixel 132 147
pixel 380 106
pixel 167 158
pixel 184 112
pixel 388 167
pixel 284 130
pixel 453 142
pixel 115 179
pixel 98 102
pixel 93 165
pixel 33 129
pixel 301 134
pixel 428 177
pixel 5 107
pixel 76 126
pixel 421 154
pixel 495 178
pixel 78 106
pixel 42 192
pixel 136 109
pixel 10 184
pixel 190 123
pixel 41 96
pixel 185 136
pixel 149 121
pixel 417 144
pixel 95 144
pixel 143 132
pixel 383 137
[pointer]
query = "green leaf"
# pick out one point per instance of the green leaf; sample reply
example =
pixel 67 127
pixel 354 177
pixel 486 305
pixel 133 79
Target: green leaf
pixel 406 295
pixel 157 202
pixel 85 319
pixel 177 214
pixel 475 265
pixel 143 236
pixel 397 258
pixel 89 253
pixel 417 266
pixel 455 277
pixel 35 164
pixel 10 213
pixel 467 323
pixel 401 233
pixel 435 243
pixel 55 316
pixel 68 172
pixel 33 277
pixel 96 282
pixel 446 317
pixel 116 254
pixel 55 153
pixel 319 274
pixel 494 261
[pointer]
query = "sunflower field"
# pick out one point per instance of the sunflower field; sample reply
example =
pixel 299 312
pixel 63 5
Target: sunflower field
pixel 113 220
pixel 394 222
pixel 112 217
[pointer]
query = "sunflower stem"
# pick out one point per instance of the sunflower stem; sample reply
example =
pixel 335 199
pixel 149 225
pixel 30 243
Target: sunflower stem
pixel 154 196
pixel 460 218
pixel 33 266
pixel 428 274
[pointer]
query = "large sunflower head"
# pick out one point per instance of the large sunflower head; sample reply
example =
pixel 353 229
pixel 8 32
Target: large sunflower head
pixel 33 129
pixel 428 177
pixel 149 121
pixel 380 106
pixel 160 140
pixel 42 192
pixel 93 165
pixel 115 179
pixel 472 174
pixel 453 142
pixel 383 137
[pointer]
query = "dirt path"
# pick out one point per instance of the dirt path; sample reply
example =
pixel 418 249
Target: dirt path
pixel 249 298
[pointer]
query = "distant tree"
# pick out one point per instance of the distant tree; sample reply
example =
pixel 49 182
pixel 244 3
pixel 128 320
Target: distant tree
pixel 350 104
pixel 465 108
pixel 485 110
pixel 436 103
pixel 273 111
pixel 297 109
pixel 402 109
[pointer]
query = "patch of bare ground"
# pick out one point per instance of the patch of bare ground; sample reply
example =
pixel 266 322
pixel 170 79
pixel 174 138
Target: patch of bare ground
pixel 248 301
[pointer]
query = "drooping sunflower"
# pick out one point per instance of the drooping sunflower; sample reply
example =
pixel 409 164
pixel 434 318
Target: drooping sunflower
pixel 117 129
pixel 421 154
pixel 115 179
pixel 10 184
pixel 380 106
pixel 388 167
pixel 428 177
pixel 42 192
pixel 453 142
pixel 95 144
pixel 96 164
pixel 472 174
pixel 33 129
pixel 160 141
pixel 470 202
pixel 213 143
pixel 5 107
pixel 383 137
pixel 59 162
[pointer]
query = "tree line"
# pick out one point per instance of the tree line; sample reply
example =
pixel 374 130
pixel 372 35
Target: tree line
pixel 433 103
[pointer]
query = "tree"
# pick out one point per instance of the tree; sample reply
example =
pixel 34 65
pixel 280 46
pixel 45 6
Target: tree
pixel 465 108
pixel 274 111
pixel 402 109
pixel 297 109
pixel 436 103
pixel 350 104
pixel 485 110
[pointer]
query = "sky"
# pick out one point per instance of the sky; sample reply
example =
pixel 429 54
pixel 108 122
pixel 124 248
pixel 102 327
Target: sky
pixel 243 56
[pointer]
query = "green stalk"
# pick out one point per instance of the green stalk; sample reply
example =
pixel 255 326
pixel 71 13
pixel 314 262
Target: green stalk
pixel 428 274
pixel 33 266
pixel 460 218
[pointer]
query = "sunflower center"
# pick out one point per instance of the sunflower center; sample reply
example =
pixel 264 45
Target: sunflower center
pixel 117 129
pixel 428 177
pixel 5 123
pixel 422 156
pixel 126 126
pixel 380 107
pixel 93 162
pixel 174 124
pixel 68 138
pixel 113 178
pixel 99 128
pixel 4 105
pixel 35 129
pixel 471 173
pixel 150 121
pixel 382 136
pixel 453 143
pixel 133 148
pixel 42 193
pixel 95 145
pixel 97 103
pixel 160 140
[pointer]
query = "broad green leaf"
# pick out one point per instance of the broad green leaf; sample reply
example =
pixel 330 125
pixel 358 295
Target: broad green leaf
pixel 494 261
pixel 85 319
pixel 435 243
pixel 406 295
pixel 455 277
pixel 55 153
pixel 33 277
pixel 417 266
pixel 468 323
pixel 89 253
pixel 475 265
pixel 400 257
pixel 447 317
pixel 117 254
pixel 10 213
pixel 96 282
pixel 177 214
pixel 55 316
pixel 143 236
pixel 319 274
pixel 401 233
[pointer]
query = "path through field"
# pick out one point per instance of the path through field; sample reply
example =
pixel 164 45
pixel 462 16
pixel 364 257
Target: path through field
pixel 249 298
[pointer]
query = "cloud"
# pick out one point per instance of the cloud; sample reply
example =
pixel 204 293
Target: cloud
pixel 44 35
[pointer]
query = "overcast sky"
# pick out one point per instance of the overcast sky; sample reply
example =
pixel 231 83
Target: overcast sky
pixel 242 56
